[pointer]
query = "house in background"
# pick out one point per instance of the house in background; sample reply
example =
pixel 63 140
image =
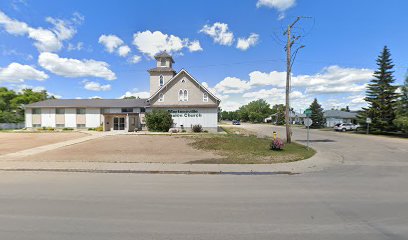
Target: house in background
pixel 295 118
pixel 334 117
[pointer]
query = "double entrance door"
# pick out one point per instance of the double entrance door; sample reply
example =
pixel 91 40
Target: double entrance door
pixel 118 123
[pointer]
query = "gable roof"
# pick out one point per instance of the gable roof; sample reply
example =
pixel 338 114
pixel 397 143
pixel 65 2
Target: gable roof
pixel 175 76
pixel 339 114
pixel 98 103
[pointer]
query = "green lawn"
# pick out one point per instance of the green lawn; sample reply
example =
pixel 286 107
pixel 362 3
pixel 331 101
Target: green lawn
pixel 244 149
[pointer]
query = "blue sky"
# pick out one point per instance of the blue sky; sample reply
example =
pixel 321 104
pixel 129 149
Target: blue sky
pixel 79 49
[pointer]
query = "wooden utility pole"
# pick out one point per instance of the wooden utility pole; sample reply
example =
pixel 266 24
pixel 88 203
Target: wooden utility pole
pixel 288 75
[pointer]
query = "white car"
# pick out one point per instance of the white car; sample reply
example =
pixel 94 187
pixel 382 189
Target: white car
pixel 346 127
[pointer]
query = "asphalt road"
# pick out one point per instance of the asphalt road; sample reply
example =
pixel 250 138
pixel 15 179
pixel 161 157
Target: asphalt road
pixel 364 197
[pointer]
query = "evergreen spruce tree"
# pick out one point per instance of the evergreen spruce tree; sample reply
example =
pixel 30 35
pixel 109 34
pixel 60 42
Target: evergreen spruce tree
pixel 317 114
pixel 402 107
pixel 401 120
pixel 381 96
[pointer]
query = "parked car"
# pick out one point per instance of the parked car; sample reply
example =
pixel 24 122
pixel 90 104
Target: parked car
pixel 236 122
pixel 346 127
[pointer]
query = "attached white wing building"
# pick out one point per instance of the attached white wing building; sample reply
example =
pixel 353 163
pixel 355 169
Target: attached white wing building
pixel 188 101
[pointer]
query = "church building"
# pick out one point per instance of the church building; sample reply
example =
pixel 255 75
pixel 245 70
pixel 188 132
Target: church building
pixel 179 93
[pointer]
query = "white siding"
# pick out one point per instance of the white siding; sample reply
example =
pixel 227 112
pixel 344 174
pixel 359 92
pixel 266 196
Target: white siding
pixel 93 117
pixel 28 118
pixel 70 117
pixel 206 117
pixel 48 117
pixel 113 110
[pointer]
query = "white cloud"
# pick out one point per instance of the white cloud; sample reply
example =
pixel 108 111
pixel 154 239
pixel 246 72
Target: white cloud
pixel 219 32
pixel 332 79
pixel 16 72
pixel 111 42
pixel 194 46
pixel 13 26
pixel 335 79
pixel 280 5
pixel 79 46
pixel 135 59
pixel 46 40
pixel 69 67
pixel 230 105
pixel 20 87
pixel 95 86
pixel 136 93
pixel 123 51
pixel 232 85
pixel 245 43
pixel 63 29
pixel 273 78
pixel 151 43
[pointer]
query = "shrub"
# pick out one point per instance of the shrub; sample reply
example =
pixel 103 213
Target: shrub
pixel 206 131
pixel 50 129
pixel 159 121
pixel 197 128
pixel 91 129
pixel 99 129
pixel 184 130
pixel 67 129
pixel 277 144
pixel 401 123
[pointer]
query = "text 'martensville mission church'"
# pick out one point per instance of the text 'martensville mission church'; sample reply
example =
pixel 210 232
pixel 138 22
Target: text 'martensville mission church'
pixel 184 97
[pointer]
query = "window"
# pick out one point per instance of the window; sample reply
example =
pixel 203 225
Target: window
pixel 161 97
pixel 36 125
pixel 181 98
pixel 60 111
pixel 142 110
pixel 81 126
pixel 36 111
pixel 205 97
pixel 185 95
pixel 80 111
pixel 127 110
pixel 183 81
pixel 161 81
pixel 163 62
pixel 60 125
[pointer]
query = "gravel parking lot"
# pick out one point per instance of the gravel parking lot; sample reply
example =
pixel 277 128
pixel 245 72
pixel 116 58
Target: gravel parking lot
pixel 127 148
pixel 12 142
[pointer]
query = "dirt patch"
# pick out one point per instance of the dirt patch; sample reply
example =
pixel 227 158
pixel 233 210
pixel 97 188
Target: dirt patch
pixel 128 148
pixel 13 142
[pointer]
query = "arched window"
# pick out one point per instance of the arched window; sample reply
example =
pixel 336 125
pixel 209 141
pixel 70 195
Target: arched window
pixel 205 97
pixel 183 81
pixel 161 97
pixel 161 81
pixel 180 97
pixel 185 95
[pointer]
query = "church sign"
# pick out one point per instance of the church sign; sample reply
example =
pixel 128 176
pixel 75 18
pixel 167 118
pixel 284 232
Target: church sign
pixel 185 113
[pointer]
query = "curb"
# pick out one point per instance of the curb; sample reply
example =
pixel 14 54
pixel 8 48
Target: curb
pixel 146 172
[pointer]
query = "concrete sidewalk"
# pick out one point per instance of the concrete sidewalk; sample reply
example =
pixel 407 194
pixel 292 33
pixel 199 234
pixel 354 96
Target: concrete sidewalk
pixel 316 163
